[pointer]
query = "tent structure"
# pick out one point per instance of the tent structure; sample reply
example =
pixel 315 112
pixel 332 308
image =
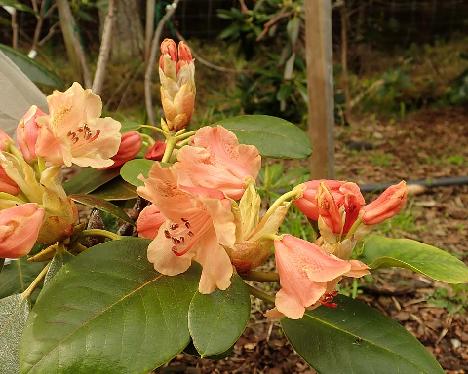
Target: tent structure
pixel 17 94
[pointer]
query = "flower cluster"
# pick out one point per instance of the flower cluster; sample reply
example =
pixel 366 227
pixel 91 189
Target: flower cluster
pixel 33 204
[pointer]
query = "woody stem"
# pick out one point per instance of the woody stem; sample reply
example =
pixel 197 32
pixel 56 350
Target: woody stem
pixel 28 291
pixel 260 294
pixel 102 233
pixel 260 276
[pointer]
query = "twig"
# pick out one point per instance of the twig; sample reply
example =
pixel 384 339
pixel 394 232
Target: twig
pixel 15 28
pixel 49 35
pixel 170 10
pixel 272 22
pixel 104 49
pixel 149 27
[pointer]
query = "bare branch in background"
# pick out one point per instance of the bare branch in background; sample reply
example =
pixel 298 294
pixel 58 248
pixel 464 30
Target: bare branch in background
pixel 104 49
pixel 15 28
pixel 170 10
pixel 75 51
pixel 41 14
pixel 50 34
pixel 150 6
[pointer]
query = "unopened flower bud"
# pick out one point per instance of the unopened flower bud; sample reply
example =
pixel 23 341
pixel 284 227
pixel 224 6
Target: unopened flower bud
pixel 7 184
pixel 177 75
pixel 389 203
pixel 19 228
pixel 129 147
pixel 156 151
pixel 27 133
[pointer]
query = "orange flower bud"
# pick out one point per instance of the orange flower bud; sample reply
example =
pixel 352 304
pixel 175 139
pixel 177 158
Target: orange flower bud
pixel 156 151
pixel 129 147
pixel 27 133
pixel 19 228
pixel 389 203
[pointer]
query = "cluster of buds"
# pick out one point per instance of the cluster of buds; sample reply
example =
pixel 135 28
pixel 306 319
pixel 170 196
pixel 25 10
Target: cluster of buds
pixel 177 75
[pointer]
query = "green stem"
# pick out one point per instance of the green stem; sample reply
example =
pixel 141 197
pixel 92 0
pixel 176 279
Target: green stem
pixel 103 233
pixel 184 135
pixel 183 142
pixel 46 254
pixel 170 145
pixel 260 276
pixel 294 194
pixel 260 294
pixel 148 139
pixel 28 291
pixel 151 128
pixel 354 228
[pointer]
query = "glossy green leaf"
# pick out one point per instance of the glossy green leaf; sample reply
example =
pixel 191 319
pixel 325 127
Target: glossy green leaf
pixel 132 169
pixel 61 258
pixel 13 314
pixel 32 69
pixel 103 205
pixel 108 311
pixel 217 320
pixel 435 263
pixel 88 179
pixel 274 137
pixel 17 275
pixel 354 338
pixel 116 190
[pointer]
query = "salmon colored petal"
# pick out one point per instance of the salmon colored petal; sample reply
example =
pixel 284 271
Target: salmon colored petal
pixel 217 267
pixel 289 305
pixel 223 220
pixel 162 257
pixel 358 269
pixel 389 203
pixel 149 221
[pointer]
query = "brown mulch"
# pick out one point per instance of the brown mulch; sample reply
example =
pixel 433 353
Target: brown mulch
pixel 426 144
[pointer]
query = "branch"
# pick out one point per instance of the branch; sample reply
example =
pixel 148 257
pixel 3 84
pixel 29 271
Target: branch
pixel 149 26
pixel 49 35
pixel 170 10
pixel 104 49
pixel 272 22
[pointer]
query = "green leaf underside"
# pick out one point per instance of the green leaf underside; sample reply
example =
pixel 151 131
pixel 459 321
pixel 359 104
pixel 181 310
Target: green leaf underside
pixel 88 179
pixel 132 169
pixel 274 137
pixel 116 190
pixel 17 275
pixel 103 205
pixel 354 338
pixel 217 320
pixel 31 68
pixel 435 263
pixel 108 311
pixel 13 314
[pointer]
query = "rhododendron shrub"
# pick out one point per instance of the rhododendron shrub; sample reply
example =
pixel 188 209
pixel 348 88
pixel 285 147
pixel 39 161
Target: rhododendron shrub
pixel 159 238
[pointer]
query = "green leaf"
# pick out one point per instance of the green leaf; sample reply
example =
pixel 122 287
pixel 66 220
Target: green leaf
pixel 103 205
pixel 88 179
pixel 31 68
pixel 354 338
pixel 132 169
pixel 274 137
pixel 17 275
pixel 14 311
pixel 61 258
pixel 108 311
pixel 116 190
pixel 217 320
pixel 380 252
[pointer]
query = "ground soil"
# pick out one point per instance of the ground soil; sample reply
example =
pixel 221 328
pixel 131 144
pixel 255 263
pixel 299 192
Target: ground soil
pixel 430 143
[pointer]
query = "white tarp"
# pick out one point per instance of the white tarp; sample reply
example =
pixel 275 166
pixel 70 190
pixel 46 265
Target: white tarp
pixel 17 94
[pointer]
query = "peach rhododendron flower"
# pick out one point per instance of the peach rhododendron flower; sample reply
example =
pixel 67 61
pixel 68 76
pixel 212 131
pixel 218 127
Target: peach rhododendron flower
pixel 7 184
pixel 156 151
pixel 19 228
pixel 130 145
pixel 198 223
pixel 177 75
pixel 307 273
pixel 389 203
pixel 73 133
pixel 215 159
pixel 27 132
pixel 149 221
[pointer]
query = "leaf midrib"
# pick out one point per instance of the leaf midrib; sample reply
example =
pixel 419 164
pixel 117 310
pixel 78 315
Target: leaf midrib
pixel 365 340
pixel 93 318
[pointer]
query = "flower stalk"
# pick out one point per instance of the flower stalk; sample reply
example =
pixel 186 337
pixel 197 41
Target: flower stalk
pixel 260 294
pixel 28 291
pixel 101 233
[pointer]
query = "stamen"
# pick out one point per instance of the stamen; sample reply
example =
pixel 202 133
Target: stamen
pixel 174 226
pixel 167 234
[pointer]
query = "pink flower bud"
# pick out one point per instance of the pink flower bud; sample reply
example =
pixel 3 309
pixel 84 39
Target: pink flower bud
pixel 149 221
pixel 7 184
pixel 389 203
pixel 156 151
pixel 168 48
pixel 27 133
pixel 328 209
pixel 19 228
pixel 184 54
pixel 5 141
pixel 129 147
